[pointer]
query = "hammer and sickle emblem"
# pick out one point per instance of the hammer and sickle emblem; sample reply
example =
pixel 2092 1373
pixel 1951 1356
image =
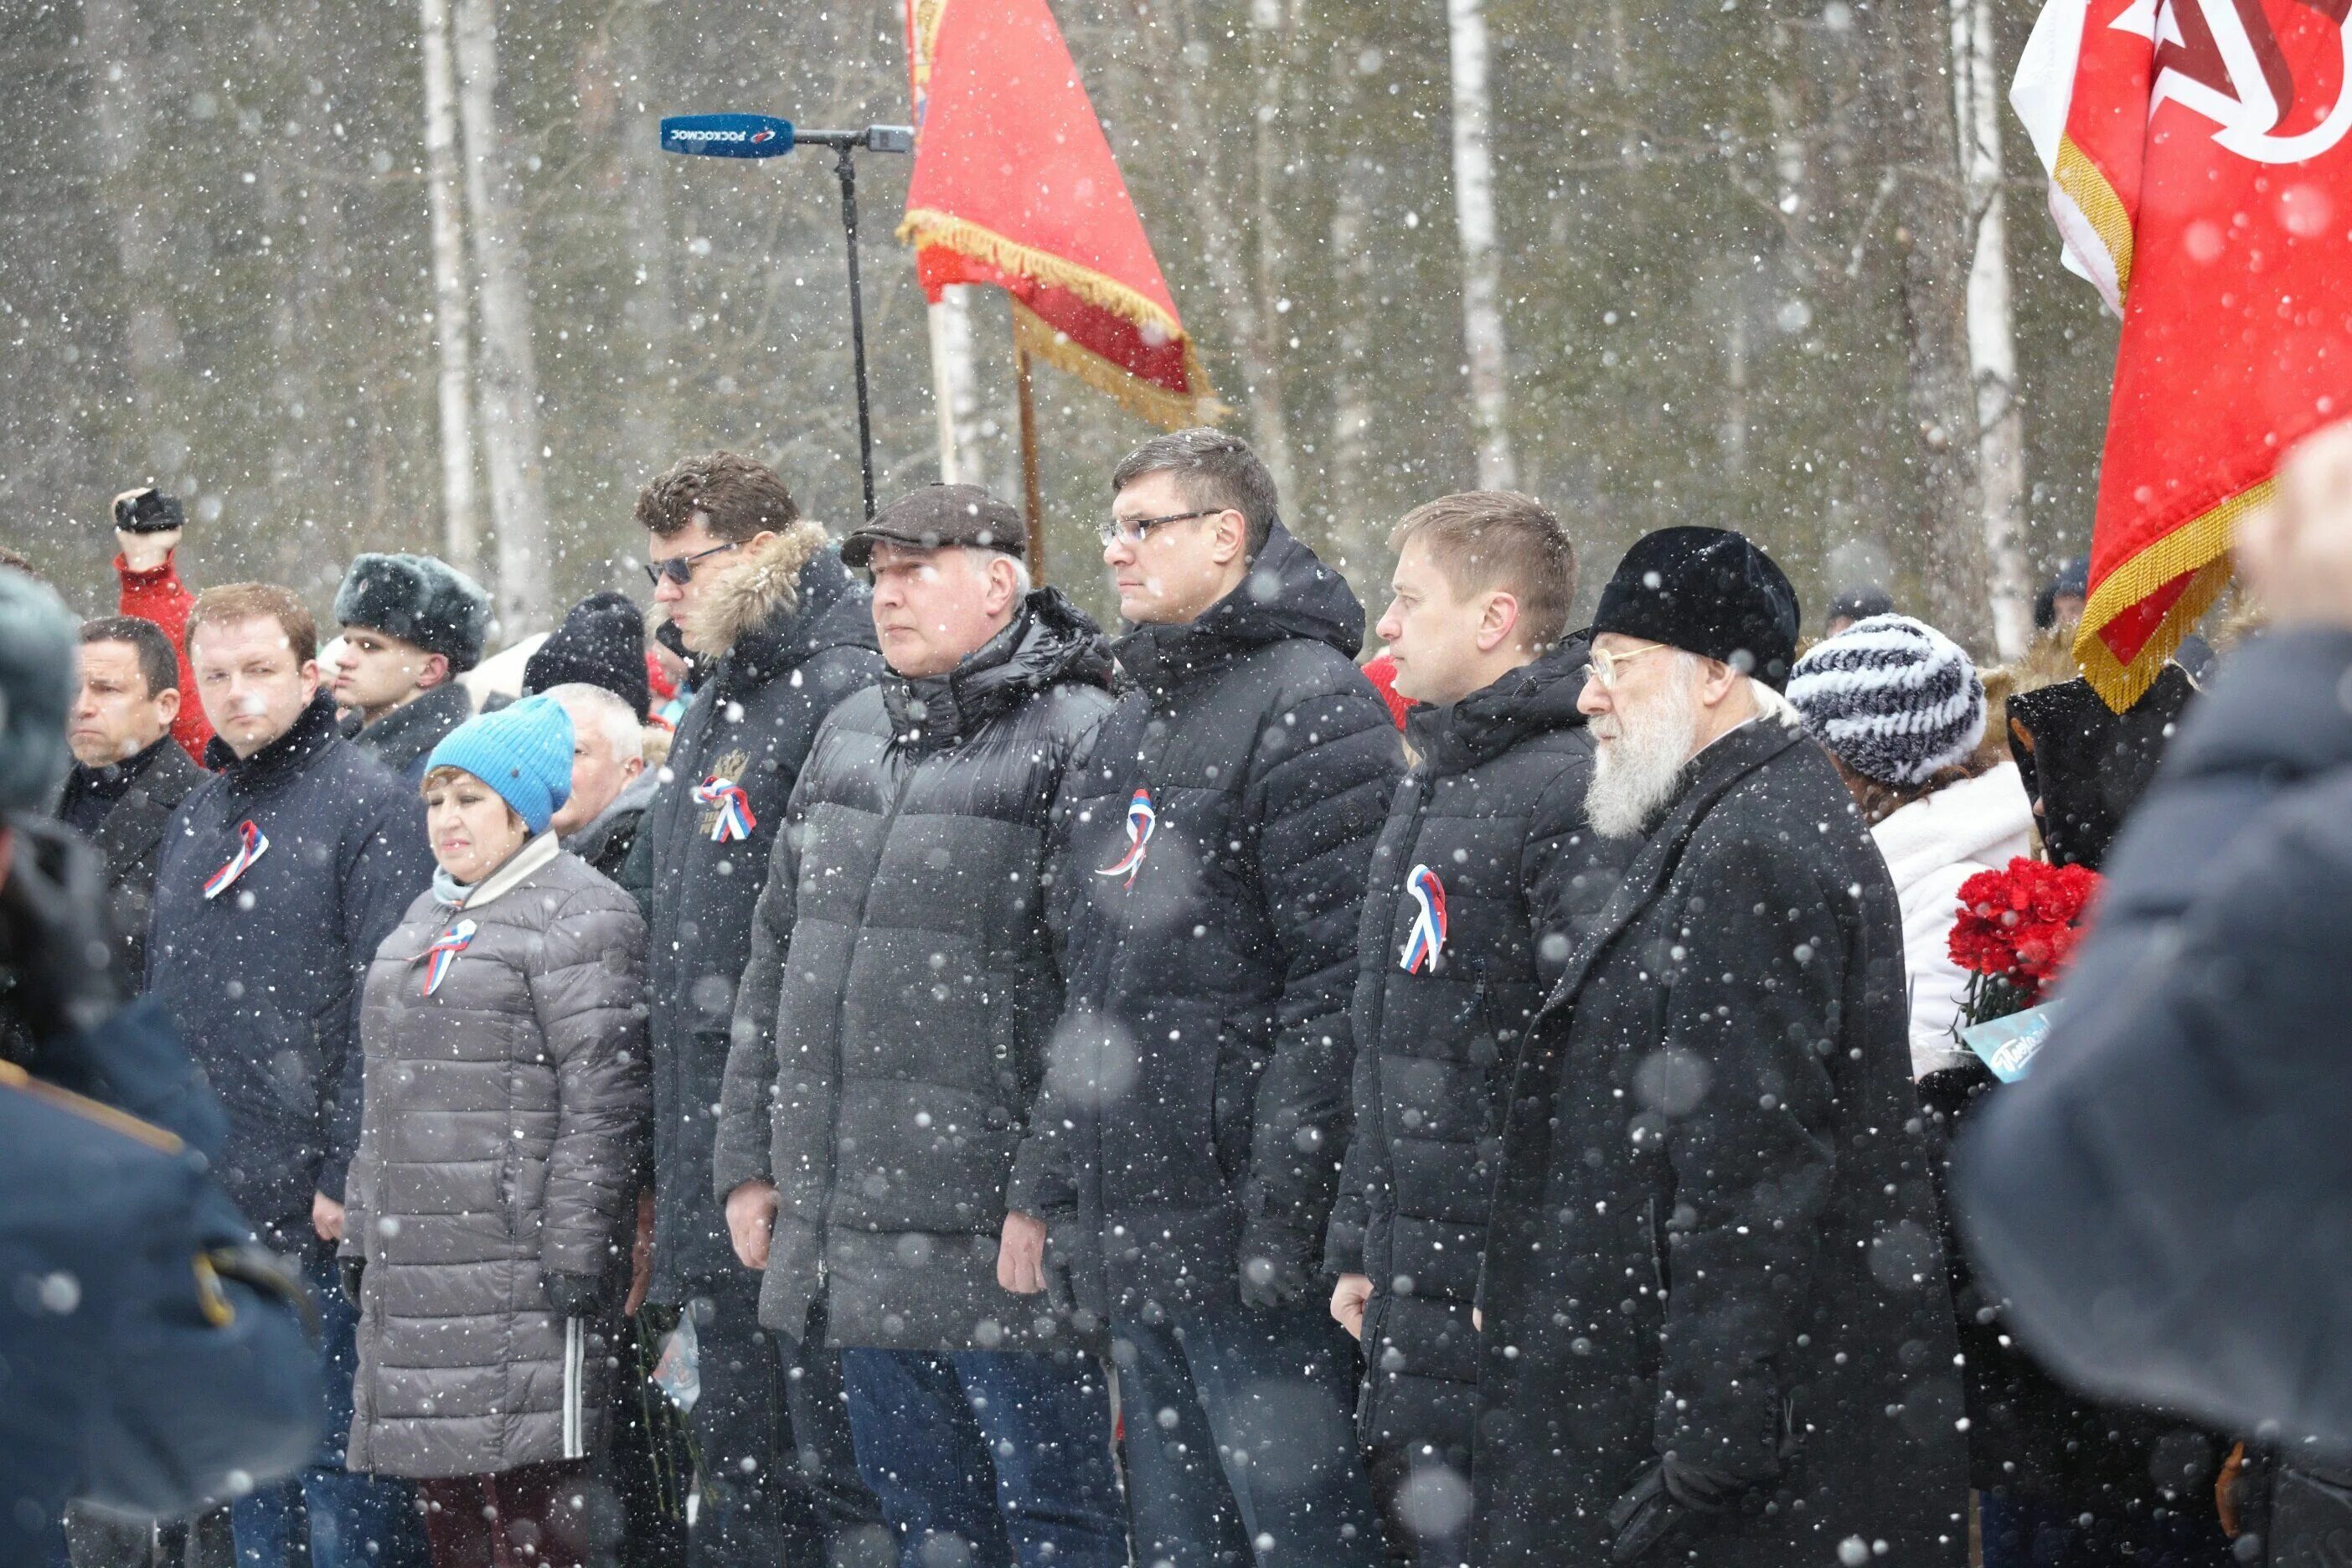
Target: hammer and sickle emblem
pixel 2221 60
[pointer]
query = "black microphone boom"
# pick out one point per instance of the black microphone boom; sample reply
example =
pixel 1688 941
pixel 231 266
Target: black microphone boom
pixel 763 136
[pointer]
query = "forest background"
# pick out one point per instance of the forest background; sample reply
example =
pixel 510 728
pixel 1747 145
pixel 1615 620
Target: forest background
pixel 1771 266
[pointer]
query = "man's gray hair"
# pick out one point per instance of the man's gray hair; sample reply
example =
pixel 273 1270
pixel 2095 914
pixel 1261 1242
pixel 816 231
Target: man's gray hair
pixel 606 712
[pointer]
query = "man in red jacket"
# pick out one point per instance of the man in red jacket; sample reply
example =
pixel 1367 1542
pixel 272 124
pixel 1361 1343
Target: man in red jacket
pixel 147 526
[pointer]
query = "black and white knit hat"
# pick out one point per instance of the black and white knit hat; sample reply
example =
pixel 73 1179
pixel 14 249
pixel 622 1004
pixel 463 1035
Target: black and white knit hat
pixel 1892 699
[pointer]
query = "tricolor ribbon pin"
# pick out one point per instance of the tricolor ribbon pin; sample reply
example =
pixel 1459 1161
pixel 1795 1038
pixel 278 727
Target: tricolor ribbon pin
pixel 1140 820
pixel 1423 948
pixel 444 952
pixel 250 846
pixel 735 820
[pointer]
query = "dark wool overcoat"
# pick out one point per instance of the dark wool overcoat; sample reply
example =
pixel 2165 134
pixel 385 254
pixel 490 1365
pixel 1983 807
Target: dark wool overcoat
pixel 892 1025
pixel 1493 807
pixel 1197 1097
pixel 799 635
pixel 263 979
pixel 1714 1235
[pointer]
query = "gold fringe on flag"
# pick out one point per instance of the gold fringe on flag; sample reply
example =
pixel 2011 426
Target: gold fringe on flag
pixel 2200 546
pixel 1144 399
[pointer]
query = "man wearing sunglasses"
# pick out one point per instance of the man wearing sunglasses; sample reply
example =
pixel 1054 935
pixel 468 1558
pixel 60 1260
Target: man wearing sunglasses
pixel 1209 877
pixel 779 633
pixel 1717 1326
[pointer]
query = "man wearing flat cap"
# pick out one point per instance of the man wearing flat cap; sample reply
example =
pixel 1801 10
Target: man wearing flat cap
pixel 890 1036
pixel 1714 1323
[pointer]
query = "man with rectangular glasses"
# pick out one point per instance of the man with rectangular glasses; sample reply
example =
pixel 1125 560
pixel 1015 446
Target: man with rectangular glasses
pixel 1209 870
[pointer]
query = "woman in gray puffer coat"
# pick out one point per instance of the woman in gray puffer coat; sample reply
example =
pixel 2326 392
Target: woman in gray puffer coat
pixel 505 1118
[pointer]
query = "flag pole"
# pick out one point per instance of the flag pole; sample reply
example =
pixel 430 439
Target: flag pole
pixel 1032 501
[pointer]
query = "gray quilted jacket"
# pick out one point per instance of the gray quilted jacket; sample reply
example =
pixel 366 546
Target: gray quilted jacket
pixel 502 1135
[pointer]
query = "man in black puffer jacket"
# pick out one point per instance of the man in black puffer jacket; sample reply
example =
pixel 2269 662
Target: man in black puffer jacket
pixel 781 635
pixel 1206 900
pixel 890 1036
pixel 1484 878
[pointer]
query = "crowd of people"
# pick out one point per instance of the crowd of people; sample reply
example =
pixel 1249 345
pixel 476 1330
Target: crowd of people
pixel 964 1086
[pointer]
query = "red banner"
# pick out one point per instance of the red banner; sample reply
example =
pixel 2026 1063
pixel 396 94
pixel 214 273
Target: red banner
pixel 1015 185
pixel 2201 179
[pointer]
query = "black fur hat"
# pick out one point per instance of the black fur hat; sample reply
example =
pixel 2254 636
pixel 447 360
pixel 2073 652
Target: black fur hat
pixel 419 600
pixel 1706 591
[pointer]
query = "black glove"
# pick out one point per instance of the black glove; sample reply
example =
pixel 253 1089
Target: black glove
pixel 577 1295
pixel 1660 1498
pixel 148 510
pixel 1279 1264
pixel 53 933
pixel 349 1270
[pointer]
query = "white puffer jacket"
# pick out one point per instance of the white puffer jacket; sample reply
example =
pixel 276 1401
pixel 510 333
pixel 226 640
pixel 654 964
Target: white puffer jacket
pixel 1932 845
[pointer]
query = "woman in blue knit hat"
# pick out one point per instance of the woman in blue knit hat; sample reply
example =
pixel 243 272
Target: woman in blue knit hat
pixel 505 1117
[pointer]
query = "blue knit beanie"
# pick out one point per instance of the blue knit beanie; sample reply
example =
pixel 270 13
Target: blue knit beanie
pixel 524 751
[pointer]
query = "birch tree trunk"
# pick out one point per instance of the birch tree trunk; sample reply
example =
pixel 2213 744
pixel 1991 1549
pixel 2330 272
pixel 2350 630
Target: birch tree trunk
pixel 1992 341
pixel 461 523
pixel 1351 402
pixel 508 373
pixel 1268 58
pixel 647 314
pixel 955 387
pixel 1921 146
pixel 115 46
pixel 1474 216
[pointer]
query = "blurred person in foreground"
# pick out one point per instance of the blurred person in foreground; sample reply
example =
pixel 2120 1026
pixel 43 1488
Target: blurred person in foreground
pixel 1716 1327
pixel 1209 882
pixel 1483 876
pixel 128 775
pixel 2166 1200
pixel 411 626
pixel 280 877
pixel 152 1359
pixel 148 525
pixel 780 634
pixel 890 1036
pixel 504 1032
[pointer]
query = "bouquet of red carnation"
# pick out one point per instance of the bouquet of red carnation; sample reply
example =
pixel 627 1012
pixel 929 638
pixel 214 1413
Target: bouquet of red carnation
pixel 2017 928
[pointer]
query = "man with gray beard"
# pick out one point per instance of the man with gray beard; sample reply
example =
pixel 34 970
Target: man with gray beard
pixel 1715 1327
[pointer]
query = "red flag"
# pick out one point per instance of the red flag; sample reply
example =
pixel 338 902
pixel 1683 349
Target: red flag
pixel 1015 185
pixel 2200 177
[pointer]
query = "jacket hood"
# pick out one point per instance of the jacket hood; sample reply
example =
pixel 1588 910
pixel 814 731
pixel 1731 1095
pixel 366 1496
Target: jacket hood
pixel 793 599
pixel 1288 593
pixel 1973 820
pixel 1049 642
pixel 764 587
pixel 1538 697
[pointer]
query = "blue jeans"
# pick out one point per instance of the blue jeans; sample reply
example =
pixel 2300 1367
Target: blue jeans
pixel 1240 1442
pixel 2035 1532
pixel 349 1521
pixel 1007 1453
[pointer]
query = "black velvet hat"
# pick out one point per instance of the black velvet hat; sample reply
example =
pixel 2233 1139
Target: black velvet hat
pixel 1706 591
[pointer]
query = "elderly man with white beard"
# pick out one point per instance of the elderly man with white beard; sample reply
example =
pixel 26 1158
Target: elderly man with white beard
pixel 1715 1326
